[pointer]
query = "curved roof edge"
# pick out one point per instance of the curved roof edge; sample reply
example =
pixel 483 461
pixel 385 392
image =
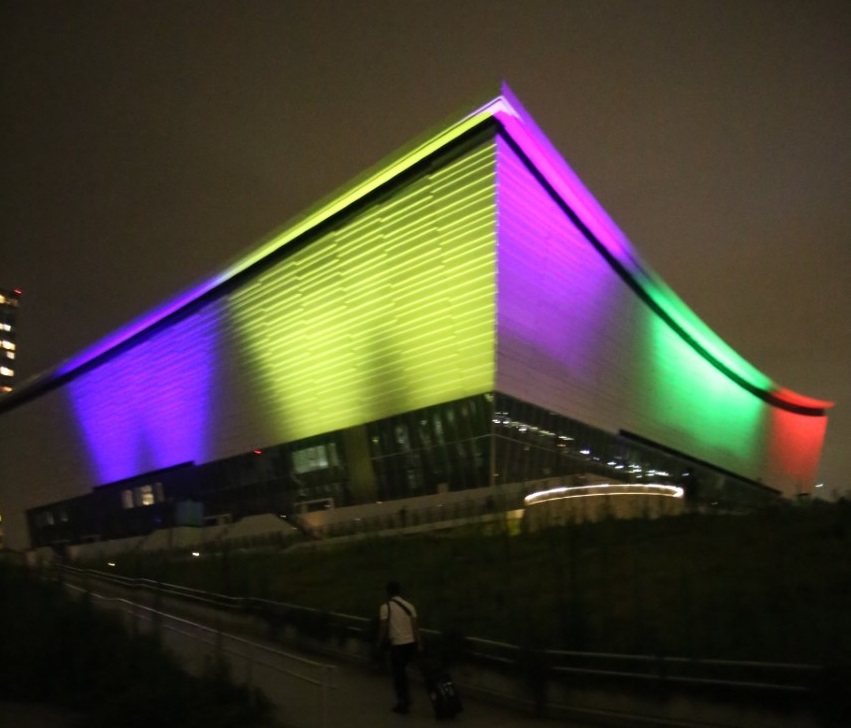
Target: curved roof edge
pixel 549 163
pixel 519 125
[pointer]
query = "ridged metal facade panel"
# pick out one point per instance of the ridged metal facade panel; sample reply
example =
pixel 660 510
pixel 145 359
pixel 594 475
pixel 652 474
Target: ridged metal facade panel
pixel 391 311
pixel 574 337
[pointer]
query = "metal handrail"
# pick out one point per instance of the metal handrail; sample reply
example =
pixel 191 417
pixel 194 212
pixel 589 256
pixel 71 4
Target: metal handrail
pixel 183 591
pixel 784 677
pixel 326 682
pixel 558 661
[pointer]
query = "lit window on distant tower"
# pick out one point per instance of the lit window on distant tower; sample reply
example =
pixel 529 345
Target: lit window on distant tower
pixel 10 300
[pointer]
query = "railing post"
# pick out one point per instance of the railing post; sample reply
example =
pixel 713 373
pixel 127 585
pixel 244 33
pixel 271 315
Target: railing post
pixel 324 694
pixel 249 674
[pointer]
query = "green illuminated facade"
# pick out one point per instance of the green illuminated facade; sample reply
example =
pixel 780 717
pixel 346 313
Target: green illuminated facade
pixel 391 312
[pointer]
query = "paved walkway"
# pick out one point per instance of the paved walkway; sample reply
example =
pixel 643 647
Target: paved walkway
pixel 34 715
pixel 361 697
pixel 363 700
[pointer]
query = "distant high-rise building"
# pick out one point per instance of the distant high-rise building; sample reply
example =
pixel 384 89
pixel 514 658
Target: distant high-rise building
pixel 10 300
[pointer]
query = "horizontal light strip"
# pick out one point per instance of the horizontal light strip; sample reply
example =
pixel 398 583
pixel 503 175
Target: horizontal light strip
pixel 610 489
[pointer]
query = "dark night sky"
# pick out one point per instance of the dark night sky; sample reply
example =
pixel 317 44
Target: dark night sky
pixel 147 144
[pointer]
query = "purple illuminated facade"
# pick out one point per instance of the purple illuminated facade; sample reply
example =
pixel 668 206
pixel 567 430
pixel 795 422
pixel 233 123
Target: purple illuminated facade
pixel 466 317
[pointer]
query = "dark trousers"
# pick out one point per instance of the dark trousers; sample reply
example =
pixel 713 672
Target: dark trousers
pixel 400 656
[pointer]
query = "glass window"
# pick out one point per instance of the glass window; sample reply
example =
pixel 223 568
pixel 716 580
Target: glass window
pixel 333 456
pixel 402 439
pixel 438 428
pixel 144 495
pixel 311 458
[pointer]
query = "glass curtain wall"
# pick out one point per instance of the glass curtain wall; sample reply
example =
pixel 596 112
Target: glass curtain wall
pixel 487 439
pixel 437 449
pixel 533 444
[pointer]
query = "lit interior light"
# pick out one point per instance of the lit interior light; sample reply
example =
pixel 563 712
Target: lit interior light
pixel 196 553
pixel 110 563
pixel 604 489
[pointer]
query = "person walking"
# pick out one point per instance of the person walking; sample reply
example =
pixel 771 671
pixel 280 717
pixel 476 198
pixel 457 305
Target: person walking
pixel 398 627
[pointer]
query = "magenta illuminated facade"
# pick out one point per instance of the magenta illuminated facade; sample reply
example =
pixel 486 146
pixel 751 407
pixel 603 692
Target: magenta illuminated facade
pixel 463 318
pixel 585 328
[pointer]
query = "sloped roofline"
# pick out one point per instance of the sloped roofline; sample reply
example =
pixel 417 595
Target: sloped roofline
pixel 518 127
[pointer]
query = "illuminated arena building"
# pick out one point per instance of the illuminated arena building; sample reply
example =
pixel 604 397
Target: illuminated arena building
pixel 465 317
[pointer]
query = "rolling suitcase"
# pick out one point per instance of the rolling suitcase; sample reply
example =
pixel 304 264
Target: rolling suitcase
pixel 442 692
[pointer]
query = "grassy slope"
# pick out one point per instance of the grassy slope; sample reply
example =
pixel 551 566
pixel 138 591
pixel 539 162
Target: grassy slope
pixel 774 585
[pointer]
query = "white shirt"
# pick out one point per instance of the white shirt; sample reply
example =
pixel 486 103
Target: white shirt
pixel 399 628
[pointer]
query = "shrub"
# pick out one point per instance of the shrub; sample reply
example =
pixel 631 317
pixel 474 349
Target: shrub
pixel 62 651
